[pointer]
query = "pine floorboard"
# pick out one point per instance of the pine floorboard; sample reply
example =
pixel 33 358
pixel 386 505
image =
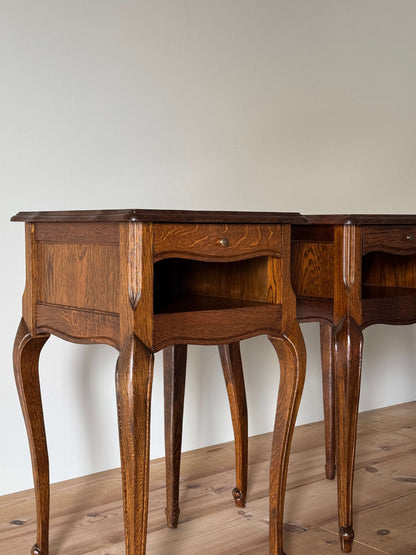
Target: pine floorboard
pixel 86 513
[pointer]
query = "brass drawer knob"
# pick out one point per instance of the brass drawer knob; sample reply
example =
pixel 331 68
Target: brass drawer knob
pixel 410 237
pixel 224 242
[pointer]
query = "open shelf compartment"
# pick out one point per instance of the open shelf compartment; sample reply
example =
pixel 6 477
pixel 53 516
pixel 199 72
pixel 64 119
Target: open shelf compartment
pixel 183 285
pixel 386 275
pixel 388 288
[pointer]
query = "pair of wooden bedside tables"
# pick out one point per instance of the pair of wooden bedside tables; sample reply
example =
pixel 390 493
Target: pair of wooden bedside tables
pixel 143 280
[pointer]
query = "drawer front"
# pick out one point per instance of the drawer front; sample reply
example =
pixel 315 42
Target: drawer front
pixel 396 239
pixel 216 241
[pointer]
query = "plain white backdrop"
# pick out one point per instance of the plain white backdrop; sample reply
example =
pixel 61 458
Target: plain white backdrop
pixel 307 105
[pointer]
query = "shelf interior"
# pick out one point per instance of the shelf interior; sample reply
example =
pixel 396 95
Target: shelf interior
pixel 196 303
pixel 183 285
pixel 386 275
pixel 384 292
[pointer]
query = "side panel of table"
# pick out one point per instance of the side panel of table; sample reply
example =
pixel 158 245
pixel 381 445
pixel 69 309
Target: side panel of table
pixel 73 281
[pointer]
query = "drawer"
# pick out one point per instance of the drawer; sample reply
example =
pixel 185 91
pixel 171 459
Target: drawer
pixel 217 241
pixel 396 239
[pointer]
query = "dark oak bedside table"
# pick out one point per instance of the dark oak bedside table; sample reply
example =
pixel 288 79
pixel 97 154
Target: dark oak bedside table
pixel 143 280
pixel 348 272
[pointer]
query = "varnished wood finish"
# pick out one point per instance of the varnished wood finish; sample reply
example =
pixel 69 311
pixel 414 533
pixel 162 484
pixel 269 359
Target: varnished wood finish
pixel 396 308
pixel 134 376
pixel 347 262
pixel 25 359
pixel 109 277
pixel 101 233
pixel 360 219
pixel 327 263
pixel 174 371
pixel 328 386
pixel 313 269
pixel 234 378
pixel 136 305
pixel 348 356
pixel 31 285
pixel 291 350
pixel 389 270
pixel 205 327
pixel 373 268
pixel 313 309
pixel 161 216
pixel 177 281
pixel 290 347
pixel 174 362
pixel 63 282
pixel 77 325
pixel 216 241
pixel 401 239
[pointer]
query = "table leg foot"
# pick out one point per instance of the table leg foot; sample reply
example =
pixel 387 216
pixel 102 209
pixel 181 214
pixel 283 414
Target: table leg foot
pixel 172 516
pixel 36 550
pixel 238 498
pixel 346 538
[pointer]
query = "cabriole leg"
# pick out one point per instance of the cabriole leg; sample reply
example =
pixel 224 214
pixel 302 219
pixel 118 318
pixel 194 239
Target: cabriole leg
pixel 290 348
pixel 234 378
pixel 348 358
pixel 26 353
pixel 134 376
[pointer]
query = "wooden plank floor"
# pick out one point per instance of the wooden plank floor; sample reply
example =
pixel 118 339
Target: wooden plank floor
pixel 87 513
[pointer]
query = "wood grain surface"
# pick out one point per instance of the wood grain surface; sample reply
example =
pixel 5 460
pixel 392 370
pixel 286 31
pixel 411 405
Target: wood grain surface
pixel 167 216
pixel 216 241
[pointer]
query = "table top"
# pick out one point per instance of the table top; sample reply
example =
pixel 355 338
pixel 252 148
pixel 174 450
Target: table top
pixel 216 216
pixel 359 219
pixel 161 216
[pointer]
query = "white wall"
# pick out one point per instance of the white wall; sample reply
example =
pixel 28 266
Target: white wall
pixel 307 105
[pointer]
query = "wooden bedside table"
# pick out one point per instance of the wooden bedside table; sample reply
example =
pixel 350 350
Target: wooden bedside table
pixel 142 280
pixel 349 272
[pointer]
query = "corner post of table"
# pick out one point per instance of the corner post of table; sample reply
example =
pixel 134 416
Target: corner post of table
pixel 134 378
pixel 348 342
pixel 27 347
pixel 290 348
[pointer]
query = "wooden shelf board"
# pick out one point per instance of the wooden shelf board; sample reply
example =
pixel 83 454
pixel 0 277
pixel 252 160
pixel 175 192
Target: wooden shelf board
pixel 382 292
pixel 201 303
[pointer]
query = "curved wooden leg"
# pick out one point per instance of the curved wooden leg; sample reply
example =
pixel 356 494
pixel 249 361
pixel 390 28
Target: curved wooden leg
pixel 348 357
pixel 290 348
pixel 234 378
pixel 328 383
pixel 174 368
pixel 26 370
pixel 134 376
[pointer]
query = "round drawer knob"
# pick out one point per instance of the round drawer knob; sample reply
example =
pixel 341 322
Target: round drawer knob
pixel 224 242
pixel 410 237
